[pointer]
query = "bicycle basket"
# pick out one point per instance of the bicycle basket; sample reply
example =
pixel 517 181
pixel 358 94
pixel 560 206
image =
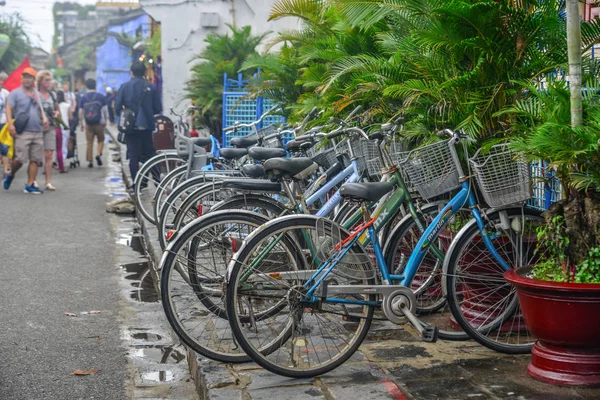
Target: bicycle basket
pixel 357 149
pixel 355 264
pixel 431 169
pixel 504 178
pixel 372 159
pixel 322 154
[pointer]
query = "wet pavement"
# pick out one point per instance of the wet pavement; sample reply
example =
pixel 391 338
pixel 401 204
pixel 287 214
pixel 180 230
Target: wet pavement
pixel 156 361
pixel 393 363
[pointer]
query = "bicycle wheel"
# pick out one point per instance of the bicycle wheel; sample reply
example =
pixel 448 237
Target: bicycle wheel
pixel 148 180
pixel 482 302
pixel 177 195
pixel 167 185
pixel 274 321
pixel 202 196
pixel 427 282
pixel 263 205
pixel 193 280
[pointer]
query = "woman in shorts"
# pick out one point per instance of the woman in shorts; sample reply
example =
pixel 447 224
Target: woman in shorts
pixel 50 107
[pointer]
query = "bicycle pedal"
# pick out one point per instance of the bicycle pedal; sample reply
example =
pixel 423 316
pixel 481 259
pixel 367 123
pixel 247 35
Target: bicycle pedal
pixel 430 334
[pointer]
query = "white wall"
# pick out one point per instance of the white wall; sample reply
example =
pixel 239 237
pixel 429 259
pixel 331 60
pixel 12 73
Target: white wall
pixel 183 34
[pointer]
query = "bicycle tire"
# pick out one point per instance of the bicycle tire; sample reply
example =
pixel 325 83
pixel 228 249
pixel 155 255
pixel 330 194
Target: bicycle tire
pixel 468 252
pixel 194 193
pixel 142 181
pixel 249 202
pixel 172 293
pixel 185 188
pixel 166 185
pixel 267 354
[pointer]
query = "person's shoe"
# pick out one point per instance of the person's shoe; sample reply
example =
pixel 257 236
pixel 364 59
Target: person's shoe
pixel 7 181
pixel 99 160
pixel 32 190
pixel 50 187
pixel 90 165
pixel 35 185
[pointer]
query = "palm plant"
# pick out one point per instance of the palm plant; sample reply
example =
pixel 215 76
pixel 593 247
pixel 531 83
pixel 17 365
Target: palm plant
pixel 20 44
pixel 223 54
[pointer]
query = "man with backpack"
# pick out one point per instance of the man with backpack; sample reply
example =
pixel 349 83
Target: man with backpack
pixel 137 103
pixel 93 117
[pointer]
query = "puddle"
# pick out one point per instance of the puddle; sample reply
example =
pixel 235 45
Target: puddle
pixel 147 336
pixel 142 282
pixel 158 354
pixel 158 376
pixel 133 240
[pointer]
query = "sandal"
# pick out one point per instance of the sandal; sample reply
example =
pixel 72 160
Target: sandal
pixel 50 187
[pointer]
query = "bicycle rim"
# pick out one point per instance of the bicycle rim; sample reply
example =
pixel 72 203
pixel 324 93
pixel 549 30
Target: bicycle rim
pixel 483 303
pixel 193 282
pixel 291 336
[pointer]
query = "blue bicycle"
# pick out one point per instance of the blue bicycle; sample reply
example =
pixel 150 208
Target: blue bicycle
pixel 302 290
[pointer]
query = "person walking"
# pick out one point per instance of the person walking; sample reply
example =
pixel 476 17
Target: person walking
pixel 24 104
pixel 3 101
pixel 62 132
pixel 141 97
pixel 92 113
pixel 50 107
pixel 110 104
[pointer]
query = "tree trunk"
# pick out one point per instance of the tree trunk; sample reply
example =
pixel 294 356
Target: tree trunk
pixel 574 54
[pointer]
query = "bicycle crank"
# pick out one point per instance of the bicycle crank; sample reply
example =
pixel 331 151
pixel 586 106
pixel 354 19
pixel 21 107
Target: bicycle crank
pixel 400 305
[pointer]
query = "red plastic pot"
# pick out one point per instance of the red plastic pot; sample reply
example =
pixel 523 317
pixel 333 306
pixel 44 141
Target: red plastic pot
pixel 565 318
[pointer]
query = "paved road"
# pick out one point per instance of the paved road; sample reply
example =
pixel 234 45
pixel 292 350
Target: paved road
pixel 57 255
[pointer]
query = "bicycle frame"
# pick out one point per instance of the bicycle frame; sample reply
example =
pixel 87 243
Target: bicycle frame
pixel 464 196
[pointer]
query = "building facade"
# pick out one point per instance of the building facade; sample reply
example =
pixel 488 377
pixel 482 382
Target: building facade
pixel 185 25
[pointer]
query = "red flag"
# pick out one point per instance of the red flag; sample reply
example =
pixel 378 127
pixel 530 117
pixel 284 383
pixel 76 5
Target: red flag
pixel 14 79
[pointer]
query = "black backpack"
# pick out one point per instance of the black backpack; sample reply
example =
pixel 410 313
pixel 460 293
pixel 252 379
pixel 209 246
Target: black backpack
pixel 127 116
pixel 92 111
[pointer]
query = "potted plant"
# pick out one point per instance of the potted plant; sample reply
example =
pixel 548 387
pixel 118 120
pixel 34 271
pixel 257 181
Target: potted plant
pixel 560 295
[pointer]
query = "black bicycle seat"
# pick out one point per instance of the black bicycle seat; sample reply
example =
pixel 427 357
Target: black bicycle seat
pixel 297 168
pixel 254 170
pixel 243 142
pixel 233 152
pixel 202 141
pixel 372 191
pixel 265 153
pixel 252 185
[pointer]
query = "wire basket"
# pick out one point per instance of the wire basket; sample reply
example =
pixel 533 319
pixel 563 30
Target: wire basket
pixel 504 178
pixel 357 146
pixel 355 264
pixel 372 159
pixel 431 169
pixel 323 154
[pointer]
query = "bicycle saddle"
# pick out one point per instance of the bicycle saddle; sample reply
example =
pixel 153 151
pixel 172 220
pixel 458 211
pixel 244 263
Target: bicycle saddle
pixel 294 146
pixel 202 141
pixel 265 153
pixel 254 170
pixel 365 191
pixel 243 142
pixel 233 152
pixel 252 185
pixel 297 168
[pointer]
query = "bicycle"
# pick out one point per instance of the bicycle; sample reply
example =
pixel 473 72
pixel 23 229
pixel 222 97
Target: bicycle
pixel 301 275
pixel 219 234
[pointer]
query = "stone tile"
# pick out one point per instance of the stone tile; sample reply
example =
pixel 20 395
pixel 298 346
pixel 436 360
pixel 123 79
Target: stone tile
pixel 262 379
pixel 214 375
pixel 224 394
pixel 288 393
pixel 373 390
pixel 357 373
pixel 447 389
